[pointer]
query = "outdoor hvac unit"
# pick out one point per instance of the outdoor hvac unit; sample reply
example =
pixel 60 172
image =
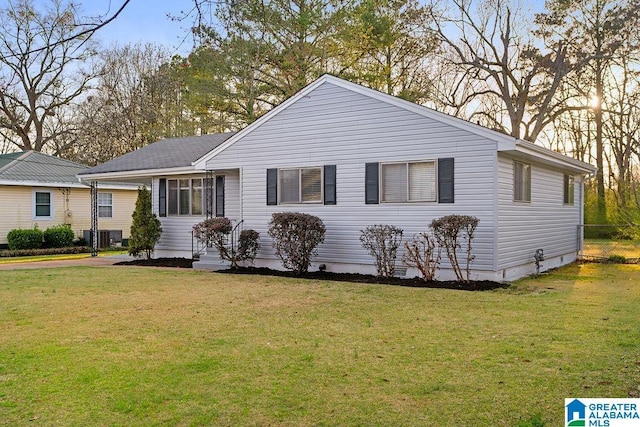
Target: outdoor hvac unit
pixel 106 238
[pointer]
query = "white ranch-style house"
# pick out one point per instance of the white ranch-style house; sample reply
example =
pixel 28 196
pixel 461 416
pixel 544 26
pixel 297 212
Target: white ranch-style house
pixel 355 157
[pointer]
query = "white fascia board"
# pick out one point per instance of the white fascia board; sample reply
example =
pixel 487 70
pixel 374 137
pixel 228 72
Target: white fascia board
pixel 42 184
pixel 554 158
pixel 201 164
pixel 133 175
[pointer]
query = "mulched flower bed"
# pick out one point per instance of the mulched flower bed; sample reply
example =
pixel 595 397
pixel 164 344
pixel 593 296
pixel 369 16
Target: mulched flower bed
pixel 415 282
pixel 160 262
pixel 484 285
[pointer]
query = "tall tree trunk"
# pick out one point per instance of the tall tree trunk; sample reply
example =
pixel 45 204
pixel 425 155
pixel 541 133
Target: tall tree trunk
pixel 601 201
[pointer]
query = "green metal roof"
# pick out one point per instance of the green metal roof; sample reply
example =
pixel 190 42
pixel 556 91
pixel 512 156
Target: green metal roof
pixel 33 166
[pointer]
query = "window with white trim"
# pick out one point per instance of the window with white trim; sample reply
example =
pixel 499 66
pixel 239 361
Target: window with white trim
pixel 300 185
pixel 521 182
pixel 408 182
pixel 185 196
pixel 105 205
pixel 42 204
pixel 568 190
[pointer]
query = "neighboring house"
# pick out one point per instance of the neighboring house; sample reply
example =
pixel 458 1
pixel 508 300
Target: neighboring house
pixel 357 157
pixel 43 191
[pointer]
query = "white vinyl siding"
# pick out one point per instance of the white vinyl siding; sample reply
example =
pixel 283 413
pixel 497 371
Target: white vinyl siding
pixel 545 223
pixel 300 185
pixel 341 127
pixel 408 182
pixel 521 182
pixel 105 205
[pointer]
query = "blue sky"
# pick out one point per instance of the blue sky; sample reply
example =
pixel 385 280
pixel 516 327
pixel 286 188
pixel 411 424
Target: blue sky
pixel 143 21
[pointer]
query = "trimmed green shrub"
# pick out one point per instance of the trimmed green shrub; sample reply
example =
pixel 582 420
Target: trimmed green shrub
pixel 382 242
pixel 50 251
pixel 295 237
pixel 25 238
pixel 58 236
pixel 145 227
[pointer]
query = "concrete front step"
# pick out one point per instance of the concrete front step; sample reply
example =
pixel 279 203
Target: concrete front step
pixel 210 262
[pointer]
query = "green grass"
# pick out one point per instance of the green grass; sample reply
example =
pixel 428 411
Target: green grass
pixel 139 346
pixel 603 248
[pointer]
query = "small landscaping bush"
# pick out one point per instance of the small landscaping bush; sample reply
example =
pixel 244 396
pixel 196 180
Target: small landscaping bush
pixel 447 231
pixel 617 259
pixel 423 253
pixel 58 236
pixel 145 227
pixel 295 238
pixel 220 234
pixel 382 242
pixel 49 251
pixel 25 238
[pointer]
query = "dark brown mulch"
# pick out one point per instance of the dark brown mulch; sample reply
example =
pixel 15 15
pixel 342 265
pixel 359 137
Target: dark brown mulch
pixel 416 282
pixel 160 262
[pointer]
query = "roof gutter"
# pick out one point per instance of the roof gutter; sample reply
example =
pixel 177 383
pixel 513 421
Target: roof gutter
pixel 132 175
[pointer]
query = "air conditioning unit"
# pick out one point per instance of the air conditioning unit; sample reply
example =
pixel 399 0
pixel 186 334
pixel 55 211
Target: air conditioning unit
pixel 68 217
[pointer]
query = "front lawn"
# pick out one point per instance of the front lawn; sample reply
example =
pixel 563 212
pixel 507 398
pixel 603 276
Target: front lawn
pixel 139 346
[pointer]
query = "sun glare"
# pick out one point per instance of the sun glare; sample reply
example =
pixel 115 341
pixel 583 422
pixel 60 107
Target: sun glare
pixel 594 102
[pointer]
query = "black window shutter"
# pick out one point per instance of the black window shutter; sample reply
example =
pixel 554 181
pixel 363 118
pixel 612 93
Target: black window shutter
pixel 220 195
pixel 329 184
pixel 371 192
pixel 445 180
pixel 272 186
pixel 162 197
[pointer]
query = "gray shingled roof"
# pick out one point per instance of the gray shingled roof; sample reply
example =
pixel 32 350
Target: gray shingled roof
pixel 34 166
pixel 166 153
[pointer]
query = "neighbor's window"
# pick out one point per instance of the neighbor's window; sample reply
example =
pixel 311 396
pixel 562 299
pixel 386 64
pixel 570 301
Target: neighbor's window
pixel 568 190
pixel 184 196
pixel 300 185
pixel 42 204
pixel 521 182
pixel 408 182
pixel 105 205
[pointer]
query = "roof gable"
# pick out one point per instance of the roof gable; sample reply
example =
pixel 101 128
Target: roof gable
pixel 503 142
pixel 36 167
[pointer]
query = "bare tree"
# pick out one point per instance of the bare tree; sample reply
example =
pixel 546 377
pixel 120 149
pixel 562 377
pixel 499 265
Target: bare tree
pixel 45 66
pixel 594 31
pixel 136 100
pixel 514 80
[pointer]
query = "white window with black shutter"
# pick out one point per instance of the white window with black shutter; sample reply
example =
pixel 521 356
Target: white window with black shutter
pixel 408 182
pixel 181 197
pixel 302 185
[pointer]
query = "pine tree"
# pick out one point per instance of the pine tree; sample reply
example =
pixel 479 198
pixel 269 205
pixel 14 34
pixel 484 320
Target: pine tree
pixel 145 227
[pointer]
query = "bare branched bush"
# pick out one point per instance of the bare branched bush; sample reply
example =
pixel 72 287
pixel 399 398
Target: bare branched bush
pixel 382 242
pixel 447 231
pixel 422 253
pixel 219 234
